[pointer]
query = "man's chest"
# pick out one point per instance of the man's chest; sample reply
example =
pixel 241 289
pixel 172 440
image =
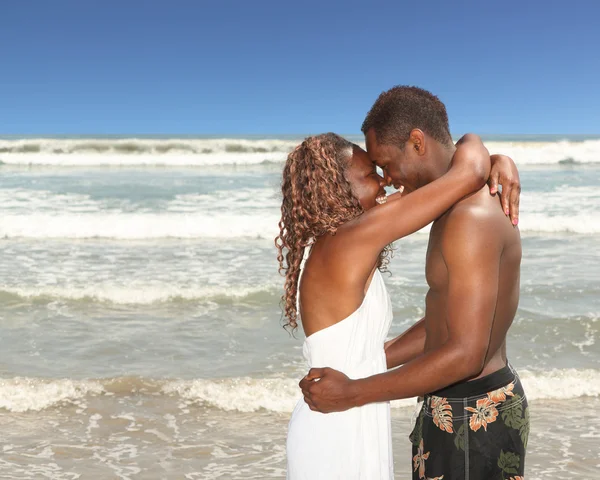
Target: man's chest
pixel 436 272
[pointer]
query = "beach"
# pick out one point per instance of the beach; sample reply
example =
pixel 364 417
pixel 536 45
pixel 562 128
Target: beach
pixel 140 325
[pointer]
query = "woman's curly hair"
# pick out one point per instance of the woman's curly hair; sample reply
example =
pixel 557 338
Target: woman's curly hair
pixel 317 199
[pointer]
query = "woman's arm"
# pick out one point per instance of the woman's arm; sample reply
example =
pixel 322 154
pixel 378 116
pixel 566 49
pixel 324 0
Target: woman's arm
pixel 504 172
pixel 408 213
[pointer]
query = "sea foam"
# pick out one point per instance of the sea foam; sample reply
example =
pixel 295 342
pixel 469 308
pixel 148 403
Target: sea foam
pixel 281 395
pixel 238 151
pixel 20 394
pixel 144 294
pixel 130 226
pixel 245 394
pixel 140 226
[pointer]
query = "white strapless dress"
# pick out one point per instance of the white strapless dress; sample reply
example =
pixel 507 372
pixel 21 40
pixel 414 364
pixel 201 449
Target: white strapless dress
pixel 357 443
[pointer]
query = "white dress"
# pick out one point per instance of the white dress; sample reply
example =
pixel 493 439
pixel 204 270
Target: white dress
pixel 357 443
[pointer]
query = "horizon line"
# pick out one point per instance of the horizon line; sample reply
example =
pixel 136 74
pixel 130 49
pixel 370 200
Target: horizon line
pixel 11 136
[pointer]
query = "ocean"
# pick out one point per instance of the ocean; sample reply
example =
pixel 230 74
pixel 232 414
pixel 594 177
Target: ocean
pixel 140 328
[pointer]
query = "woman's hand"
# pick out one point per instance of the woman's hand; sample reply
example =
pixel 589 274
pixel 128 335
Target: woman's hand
pixel 504 172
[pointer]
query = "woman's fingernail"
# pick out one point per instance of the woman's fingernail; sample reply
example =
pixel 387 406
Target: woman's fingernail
pixel 515 222
pixel 506 211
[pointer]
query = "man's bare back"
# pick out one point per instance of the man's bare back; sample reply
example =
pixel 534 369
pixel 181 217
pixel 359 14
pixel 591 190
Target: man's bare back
pixel 484 213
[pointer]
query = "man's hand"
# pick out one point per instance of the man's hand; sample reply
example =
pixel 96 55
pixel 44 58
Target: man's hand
pixel 326 390
pixel 504 172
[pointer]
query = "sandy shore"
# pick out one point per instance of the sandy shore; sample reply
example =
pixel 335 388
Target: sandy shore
pixel 153 437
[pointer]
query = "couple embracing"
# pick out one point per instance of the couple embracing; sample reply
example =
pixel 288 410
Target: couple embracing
pixel 336 228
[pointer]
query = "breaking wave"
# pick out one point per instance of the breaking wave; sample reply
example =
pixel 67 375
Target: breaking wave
pixel 245 394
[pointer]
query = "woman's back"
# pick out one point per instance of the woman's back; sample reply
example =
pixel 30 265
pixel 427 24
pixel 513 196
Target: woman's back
pixel 333 283
pixel 355 444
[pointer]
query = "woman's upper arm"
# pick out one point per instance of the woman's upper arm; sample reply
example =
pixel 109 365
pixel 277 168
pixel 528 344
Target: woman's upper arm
pixel 408 213
pixel 404 214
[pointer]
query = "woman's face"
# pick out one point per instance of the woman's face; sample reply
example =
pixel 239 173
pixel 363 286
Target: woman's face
pixel 367 184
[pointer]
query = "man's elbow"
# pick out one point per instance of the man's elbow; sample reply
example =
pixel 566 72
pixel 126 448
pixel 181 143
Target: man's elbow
pixel 472 359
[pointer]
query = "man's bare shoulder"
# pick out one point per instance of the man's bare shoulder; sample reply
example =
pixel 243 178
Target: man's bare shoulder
pixel 481 207
pixel 476 221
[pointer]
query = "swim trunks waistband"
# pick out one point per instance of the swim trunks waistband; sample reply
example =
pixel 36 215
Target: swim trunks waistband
pixel 480 386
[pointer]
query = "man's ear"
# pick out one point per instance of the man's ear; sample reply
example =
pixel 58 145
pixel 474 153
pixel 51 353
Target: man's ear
pixel 417 141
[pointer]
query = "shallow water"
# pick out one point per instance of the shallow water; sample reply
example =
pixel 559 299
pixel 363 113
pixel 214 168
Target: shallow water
pixel 140 328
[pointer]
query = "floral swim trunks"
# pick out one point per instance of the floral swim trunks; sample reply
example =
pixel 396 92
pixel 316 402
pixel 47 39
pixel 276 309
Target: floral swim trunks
pixel 473 430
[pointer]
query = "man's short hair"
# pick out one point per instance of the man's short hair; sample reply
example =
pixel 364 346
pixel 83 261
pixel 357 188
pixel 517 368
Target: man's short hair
pixel 402 108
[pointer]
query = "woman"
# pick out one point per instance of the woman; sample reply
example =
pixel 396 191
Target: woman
pixel 335 204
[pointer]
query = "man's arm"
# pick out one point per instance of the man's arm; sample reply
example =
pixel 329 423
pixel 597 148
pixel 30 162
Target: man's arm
pixel 472 254
pixel 406 346
pixel 411 343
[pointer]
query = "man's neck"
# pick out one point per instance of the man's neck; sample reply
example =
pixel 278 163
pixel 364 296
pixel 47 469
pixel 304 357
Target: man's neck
pixel 441 156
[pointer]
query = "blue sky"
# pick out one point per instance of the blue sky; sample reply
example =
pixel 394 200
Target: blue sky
pixel 236 67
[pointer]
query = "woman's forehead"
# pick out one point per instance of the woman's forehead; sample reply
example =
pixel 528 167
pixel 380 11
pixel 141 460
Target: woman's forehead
pixel 360 158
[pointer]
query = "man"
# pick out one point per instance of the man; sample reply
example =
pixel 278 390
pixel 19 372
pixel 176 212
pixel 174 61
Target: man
pixel 474 421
